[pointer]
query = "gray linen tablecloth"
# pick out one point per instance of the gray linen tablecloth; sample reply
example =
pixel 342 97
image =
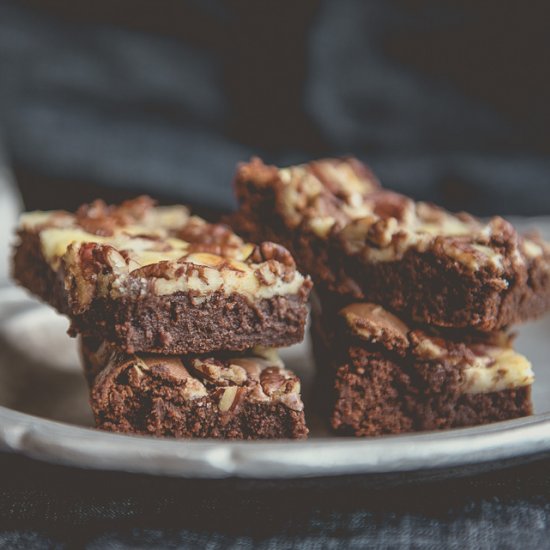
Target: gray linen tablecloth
pixel 44 506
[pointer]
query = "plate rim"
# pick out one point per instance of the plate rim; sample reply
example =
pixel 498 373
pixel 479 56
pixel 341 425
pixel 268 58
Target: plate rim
pixel 70 445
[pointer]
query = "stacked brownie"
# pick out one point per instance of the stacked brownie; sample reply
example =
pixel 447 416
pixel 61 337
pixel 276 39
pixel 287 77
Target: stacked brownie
pixel 414 303
pixel 179 318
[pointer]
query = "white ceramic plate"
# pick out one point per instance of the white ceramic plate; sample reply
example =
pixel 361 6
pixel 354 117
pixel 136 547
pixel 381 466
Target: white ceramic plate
pixel 44 411
pixel 44 414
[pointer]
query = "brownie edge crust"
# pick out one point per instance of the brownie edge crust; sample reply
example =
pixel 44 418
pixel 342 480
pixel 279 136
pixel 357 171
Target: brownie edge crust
pixel 162 281
pixel 232 396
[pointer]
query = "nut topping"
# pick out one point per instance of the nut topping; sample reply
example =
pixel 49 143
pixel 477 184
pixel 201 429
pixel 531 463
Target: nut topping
pixel 229 399
pixel 271 251
pixel 226 382
pixel 340 200
pixel 135 248
pixel 216 371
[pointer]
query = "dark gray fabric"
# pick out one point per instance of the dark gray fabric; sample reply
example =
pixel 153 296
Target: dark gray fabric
pixel 447 101
pixel 43 506
pixel 106 105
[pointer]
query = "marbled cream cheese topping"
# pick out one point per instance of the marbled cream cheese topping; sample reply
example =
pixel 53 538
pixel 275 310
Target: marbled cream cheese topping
pixel 143 248
pixel 256 376
pixel 307 190
pixel 486 366
pixel 497 369
pixel 342 196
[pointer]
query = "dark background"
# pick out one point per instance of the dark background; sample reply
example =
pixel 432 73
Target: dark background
pixel 448 101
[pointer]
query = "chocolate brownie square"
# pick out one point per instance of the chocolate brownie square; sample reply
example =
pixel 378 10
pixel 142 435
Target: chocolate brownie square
pixel 247 395
pixel 361 242
pixel 156 279
pixel 381 376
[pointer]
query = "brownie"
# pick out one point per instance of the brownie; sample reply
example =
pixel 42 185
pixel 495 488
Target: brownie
pixel 247 395
pixel 360 242
pixel 158 280
pixel 380 376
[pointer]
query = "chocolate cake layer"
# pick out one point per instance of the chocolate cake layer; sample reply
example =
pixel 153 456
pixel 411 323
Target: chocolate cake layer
pixel 239 396
pixel 361 242
pixel 379 376
pixel 156 279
